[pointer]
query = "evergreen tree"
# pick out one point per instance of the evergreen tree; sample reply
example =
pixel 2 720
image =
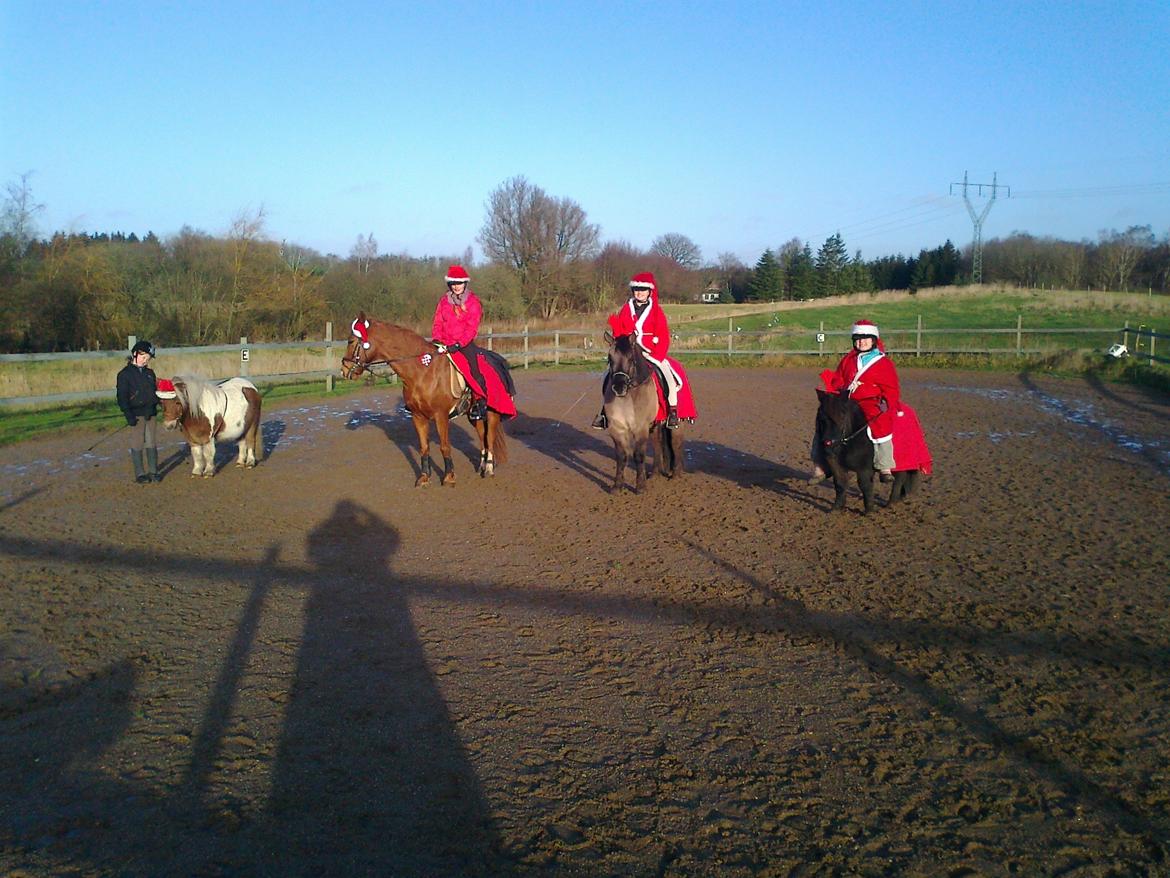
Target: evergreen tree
pixel 801 279
pixel 832 259
pixel 767 283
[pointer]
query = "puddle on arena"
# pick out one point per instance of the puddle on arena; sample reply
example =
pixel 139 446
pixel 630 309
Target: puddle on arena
pixel 1076 412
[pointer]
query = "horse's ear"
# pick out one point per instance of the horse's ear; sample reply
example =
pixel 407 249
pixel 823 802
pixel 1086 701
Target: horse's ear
pixel 822 395
pixel 608 337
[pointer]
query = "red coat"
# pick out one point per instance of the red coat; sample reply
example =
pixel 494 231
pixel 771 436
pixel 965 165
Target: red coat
pixel 876 384
pixel 457 325
pixel 650 331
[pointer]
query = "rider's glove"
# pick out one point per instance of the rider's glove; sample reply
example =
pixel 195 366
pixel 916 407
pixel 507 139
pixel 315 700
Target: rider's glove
pixel 442 348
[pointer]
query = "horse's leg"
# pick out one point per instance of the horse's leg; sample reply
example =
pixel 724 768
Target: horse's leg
pixel 913 480
pixel 422 426
pixel 905 484
pixel 481 433
pixel 196 458
pixel 209 458
pixel 640 464
pixel 622 455
pixel 491 425
pixel 443 425
pixel 840 481
pixel 865 483
pixel 898 489
pixel 249 440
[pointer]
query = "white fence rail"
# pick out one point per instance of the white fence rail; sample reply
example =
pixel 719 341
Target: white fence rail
pixel 584 345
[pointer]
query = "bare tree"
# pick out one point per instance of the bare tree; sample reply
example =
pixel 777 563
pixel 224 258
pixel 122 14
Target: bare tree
pixel 364 252
pixel 246 233
pixel 18 218
pixel 540 237
pixel 679 249
pixel 1119 252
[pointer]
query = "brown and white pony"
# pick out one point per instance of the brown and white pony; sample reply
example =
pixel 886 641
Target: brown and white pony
pixel 206 412
pixel 431 388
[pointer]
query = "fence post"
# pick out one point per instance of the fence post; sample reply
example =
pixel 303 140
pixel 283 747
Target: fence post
pixel 730 334
pixel 243 355
pixel 821 343
pixel 489 335
pixel 525 345
pixel 918 338
pixel 1125 335
pixel 131 340
pixel 1153 341
pixel 329 356
pixel 1019 334
pixel 557 348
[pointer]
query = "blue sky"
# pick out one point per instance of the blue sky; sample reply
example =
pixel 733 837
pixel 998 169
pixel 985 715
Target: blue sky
pixel 738 124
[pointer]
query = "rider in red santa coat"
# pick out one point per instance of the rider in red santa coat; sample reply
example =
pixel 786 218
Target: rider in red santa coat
pixel 872 381
pixel 644 318
pixel 455 326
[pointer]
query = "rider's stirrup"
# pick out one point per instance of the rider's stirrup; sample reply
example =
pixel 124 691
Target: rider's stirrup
pixel 478 410
pixel 672 419
pixel 600 422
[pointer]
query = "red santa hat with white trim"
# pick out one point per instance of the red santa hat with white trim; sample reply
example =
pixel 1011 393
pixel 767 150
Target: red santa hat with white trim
pixel 166 389
pixel 361 329
pixel 643 281
pixel 864 327
pixel 457 274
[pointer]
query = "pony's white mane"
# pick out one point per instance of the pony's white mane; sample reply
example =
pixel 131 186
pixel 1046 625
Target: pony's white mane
pixel 200 396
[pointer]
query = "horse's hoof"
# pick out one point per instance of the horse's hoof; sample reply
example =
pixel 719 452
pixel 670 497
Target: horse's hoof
pixel 448 480
pixel 422 481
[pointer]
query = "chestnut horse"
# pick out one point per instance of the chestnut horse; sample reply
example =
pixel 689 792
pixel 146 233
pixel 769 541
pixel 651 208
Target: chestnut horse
pixel 431 389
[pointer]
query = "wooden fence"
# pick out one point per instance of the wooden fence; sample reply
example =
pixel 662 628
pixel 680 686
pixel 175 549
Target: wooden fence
pixel 558 346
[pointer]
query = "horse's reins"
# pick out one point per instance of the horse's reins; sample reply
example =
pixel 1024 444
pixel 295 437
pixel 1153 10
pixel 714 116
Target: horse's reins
pixel 845 440
pixel 367 365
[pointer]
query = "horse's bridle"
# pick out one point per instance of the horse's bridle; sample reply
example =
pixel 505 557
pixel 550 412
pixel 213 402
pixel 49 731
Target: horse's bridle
pixel 621 382
pixel 359 364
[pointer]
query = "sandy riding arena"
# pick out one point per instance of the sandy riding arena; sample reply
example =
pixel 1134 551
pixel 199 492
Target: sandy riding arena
pixel 314 668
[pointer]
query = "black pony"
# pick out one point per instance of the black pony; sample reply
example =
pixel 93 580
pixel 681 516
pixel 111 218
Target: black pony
pixel 842 445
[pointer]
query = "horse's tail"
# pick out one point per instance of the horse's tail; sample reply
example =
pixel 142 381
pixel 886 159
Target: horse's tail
pixel 500 444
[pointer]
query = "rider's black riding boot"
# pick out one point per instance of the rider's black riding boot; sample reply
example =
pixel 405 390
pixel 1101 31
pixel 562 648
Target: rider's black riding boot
pixel 478 410
pixel 152 465
pixel 601 422
pixel 672 418
pixel 140 475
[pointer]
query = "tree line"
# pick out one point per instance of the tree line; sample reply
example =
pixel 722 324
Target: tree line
pixel 543 260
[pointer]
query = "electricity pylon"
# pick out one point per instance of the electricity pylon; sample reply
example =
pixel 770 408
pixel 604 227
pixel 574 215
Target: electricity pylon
pixel 978 218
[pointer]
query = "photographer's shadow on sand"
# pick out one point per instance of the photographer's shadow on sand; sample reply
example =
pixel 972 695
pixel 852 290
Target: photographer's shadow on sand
pixel 371 777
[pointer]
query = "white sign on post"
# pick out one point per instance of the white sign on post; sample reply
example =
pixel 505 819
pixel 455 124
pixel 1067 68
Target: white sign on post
pixel 243 355
pixel 820 338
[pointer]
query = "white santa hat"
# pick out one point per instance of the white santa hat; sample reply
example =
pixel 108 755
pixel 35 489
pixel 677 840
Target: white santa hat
pixel 864 327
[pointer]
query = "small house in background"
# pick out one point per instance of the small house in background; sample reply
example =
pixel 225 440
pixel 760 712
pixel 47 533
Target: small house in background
pixel 712 295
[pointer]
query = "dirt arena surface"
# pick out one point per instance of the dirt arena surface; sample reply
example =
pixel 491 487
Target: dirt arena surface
pixel 315 668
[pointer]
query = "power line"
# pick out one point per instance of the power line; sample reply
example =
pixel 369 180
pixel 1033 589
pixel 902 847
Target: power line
pixel 1097 191
pixel 891 221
